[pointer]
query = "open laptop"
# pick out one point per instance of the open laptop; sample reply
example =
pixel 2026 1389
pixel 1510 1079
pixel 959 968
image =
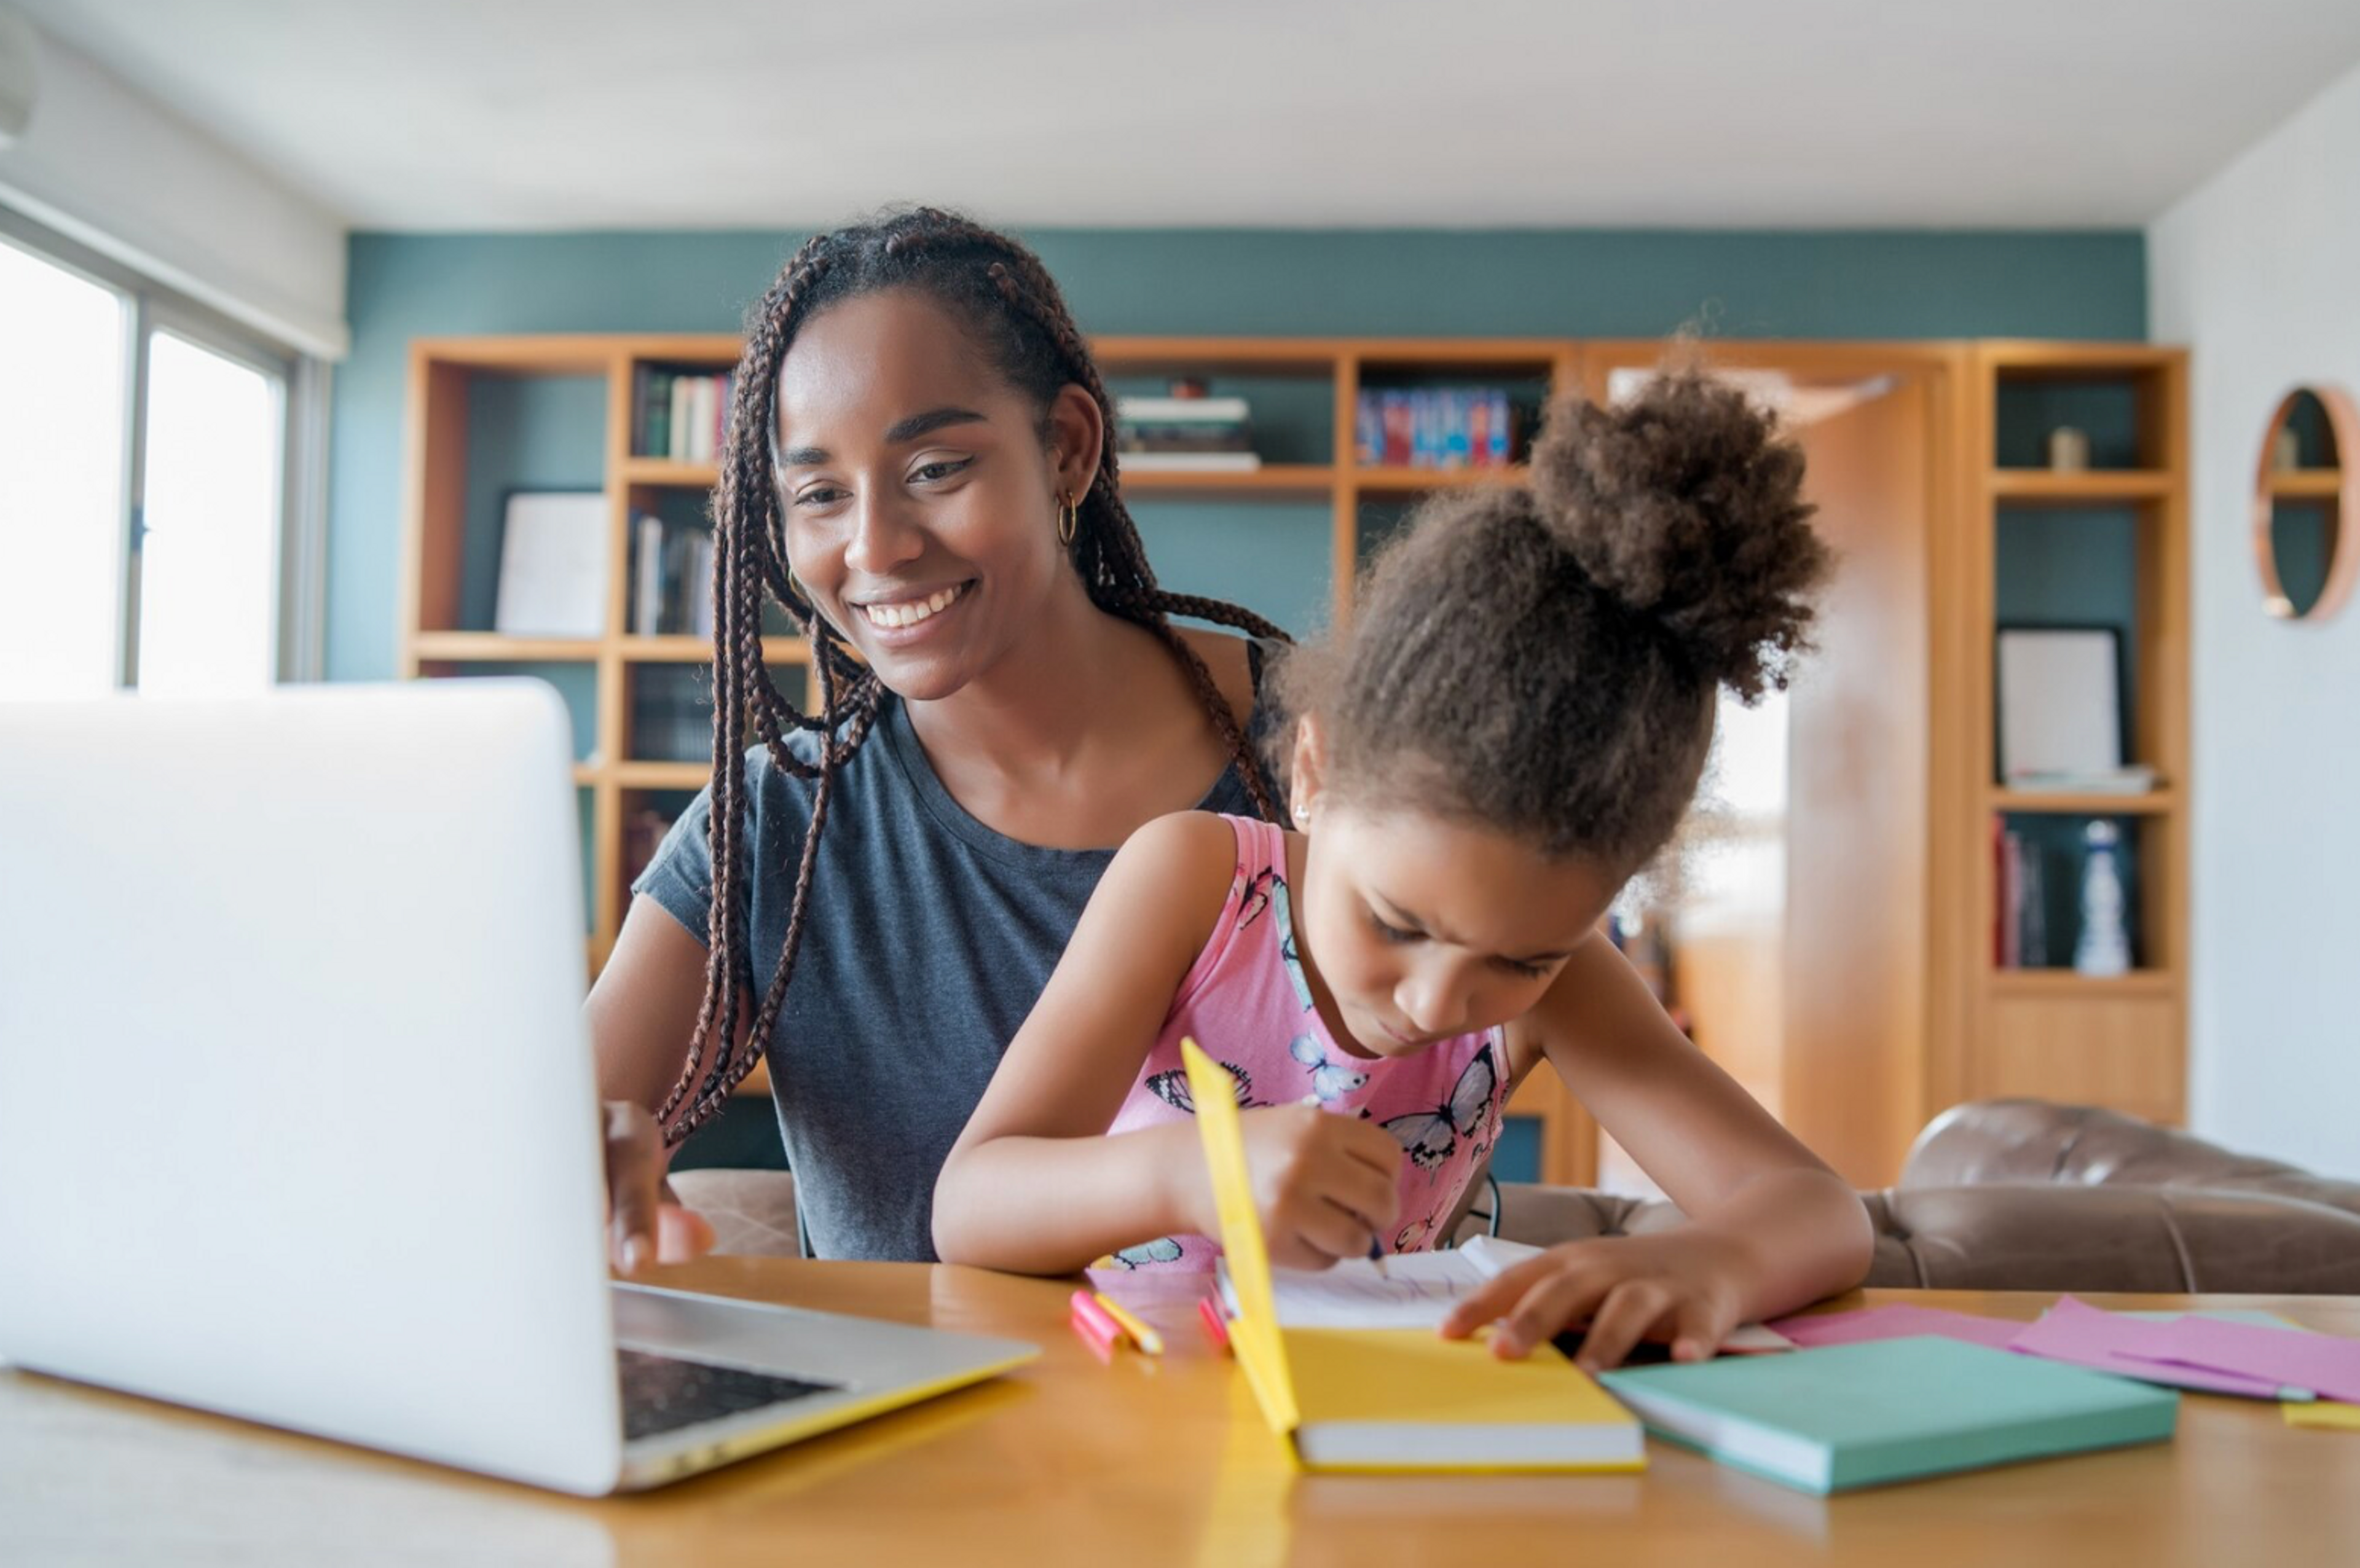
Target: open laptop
pixel 298 1120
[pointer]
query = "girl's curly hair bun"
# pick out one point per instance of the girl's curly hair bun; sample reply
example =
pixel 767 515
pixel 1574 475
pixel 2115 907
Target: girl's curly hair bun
pixel 1686 505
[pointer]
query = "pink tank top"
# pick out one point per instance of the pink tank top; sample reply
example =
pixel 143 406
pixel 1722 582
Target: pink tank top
pixel 1246 1003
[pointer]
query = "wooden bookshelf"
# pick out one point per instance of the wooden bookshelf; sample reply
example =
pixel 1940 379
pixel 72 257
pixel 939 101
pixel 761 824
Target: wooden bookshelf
pixel 2052 1033
pixel 439 637
pixel 1930 1019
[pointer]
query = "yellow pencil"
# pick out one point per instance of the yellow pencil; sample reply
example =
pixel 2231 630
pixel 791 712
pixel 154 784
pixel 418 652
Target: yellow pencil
pixel 1142 1335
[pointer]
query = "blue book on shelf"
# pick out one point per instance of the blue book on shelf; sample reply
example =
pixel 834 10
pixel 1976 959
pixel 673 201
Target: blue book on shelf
pixel 1855 1415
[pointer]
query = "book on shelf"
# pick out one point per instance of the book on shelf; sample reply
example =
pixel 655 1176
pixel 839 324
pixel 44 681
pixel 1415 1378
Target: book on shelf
pixel 671 579
pixel 1191 462
pixel 1440 426
pixel 672 715
pixel 1182 434
pixel 680 415
pixel 2021 937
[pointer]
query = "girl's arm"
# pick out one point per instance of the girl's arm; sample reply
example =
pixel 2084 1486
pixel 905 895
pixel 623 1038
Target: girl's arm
pixel 1771 1228
pixel 1034 1184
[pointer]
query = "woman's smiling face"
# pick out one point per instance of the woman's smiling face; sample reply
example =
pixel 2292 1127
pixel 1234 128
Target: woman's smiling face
pixel 922 490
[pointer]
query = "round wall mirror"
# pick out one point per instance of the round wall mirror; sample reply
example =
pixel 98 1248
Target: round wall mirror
pixel 2306 492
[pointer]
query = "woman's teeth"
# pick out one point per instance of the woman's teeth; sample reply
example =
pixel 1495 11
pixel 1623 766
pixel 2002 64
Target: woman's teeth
pixel 909 614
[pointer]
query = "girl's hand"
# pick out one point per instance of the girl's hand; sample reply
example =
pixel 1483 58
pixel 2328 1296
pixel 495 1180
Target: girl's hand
pixel 1324 1184
pixel 1686 1286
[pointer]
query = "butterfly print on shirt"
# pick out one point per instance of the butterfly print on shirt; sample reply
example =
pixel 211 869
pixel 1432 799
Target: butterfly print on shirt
pixel 1329 1080
pixel 1171 1088
pixel 1430 1138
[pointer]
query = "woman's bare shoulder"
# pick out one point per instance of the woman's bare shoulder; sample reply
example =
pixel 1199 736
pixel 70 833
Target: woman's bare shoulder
pixel 1226 656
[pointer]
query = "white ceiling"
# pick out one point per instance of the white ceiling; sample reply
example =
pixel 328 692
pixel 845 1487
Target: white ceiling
pixel 763 114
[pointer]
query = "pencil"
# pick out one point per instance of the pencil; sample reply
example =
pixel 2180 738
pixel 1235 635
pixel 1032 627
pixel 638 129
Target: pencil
pixel 1096 1330
pixel 1209 1312
pixel 1146 1338
pixel 1103 1323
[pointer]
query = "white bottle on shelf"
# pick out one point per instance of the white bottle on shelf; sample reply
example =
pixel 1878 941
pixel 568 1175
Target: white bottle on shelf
pixel 2104 948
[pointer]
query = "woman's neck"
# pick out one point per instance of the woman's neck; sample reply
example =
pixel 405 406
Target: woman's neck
pixel 1050 703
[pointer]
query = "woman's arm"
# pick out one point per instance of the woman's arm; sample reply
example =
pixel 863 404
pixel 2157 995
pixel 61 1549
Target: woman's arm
pixel 642 1013
pixel 1036 1185
pixel 1771 1228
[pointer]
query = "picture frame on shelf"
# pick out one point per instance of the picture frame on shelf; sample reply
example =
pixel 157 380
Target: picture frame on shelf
pixel 553 564
pixel 2057 691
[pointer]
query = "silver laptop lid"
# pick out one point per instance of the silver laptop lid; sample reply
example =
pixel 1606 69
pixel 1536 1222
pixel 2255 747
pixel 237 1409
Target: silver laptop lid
pixel 296 1113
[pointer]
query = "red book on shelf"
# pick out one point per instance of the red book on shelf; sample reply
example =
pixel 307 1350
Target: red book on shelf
pixel 1999 893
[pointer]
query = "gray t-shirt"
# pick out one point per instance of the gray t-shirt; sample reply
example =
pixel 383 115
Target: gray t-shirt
pixel 928 940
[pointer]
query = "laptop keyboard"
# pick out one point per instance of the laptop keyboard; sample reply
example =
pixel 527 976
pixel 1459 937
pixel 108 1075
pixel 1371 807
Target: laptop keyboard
pixel 661 1394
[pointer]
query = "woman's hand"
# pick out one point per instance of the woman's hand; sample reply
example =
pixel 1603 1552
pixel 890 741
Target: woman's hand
pixel 647 1222
pixel 1323 1184
pixel 1685 1286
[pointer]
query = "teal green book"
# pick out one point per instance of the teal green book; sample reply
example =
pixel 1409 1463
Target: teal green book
pixel 1856 1415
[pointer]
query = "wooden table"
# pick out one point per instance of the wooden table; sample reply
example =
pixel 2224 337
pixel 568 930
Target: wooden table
pixel 1143 1462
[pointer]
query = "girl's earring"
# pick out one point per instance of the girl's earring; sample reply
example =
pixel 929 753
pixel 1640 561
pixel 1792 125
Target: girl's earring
pixel 1302 813
pixel 1069 518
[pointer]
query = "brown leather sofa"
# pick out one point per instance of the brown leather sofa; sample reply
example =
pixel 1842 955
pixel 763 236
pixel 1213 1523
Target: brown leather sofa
pixel 1995 1195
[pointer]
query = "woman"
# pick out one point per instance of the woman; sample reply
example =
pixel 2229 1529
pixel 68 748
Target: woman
pixel 920 467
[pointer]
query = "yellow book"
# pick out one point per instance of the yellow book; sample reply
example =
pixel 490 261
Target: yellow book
pixel 1352 1399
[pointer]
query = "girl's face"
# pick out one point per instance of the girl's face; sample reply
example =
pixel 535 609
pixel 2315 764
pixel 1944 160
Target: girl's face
pixel 1420 927
pixel 921 497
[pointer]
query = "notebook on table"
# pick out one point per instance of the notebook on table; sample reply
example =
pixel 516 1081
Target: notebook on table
pixel 1418 1290
pixel 1391 1398
pixel 1855 1415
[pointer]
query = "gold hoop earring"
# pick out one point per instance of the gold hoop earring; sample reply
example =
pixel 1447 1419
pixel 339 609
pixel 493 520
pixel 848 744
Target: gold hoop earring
pixel 1069 518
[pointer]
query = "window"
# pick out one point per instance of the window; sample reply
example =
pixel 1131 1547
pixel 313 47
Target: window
pixel 61 459
pixel 144 504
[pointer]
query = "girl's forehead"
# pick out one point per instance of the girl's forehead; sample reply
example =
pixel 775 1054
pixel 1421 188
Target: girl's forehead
pixel 1470 885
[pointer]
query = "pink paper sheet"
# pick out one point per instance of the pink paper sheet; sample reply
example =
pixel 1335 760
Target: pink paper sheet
pixel 2075 1332
pixel 2293 1357
pixel 1815 1329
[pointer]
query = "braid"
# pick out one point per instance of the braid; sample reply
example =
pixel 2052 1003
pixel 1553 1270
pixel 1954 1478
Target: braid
pixel 1107 546
pixel 1002 290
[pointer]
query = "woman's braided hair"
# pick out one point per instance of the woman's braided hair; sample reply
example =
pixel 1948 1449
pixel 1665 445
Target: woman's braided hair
pixel 998 288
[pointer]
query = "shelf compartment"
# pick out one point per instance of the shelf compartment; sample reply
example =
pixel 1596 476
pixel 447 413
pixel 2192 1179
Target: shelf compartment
pixel 2115 401
pixel 2055 847
pixel 493 432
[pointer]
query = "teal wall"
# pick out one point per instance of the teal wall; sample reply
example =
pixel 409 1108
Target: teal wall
pixel 1362 283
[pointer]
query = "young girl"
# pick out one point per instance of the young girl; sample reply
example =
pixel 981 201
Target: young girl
pixel 1512 726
